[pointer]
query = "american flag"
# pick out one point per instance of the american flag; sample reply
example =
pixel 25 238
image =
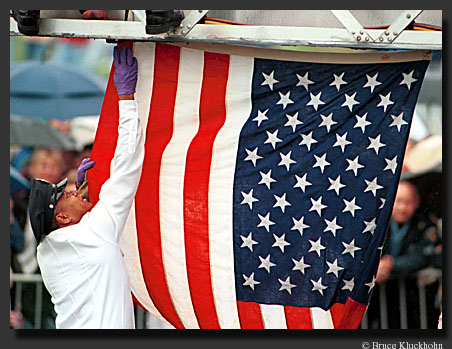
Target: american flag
pixel 267 183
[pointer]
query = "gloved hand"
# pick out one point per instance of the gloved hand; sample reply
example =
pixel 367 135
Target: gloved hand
pixel 126 71
pixel 84 166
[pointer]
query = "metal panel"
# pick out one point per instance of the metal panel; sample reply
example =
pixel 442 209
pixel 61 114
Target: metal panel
pixel 234 34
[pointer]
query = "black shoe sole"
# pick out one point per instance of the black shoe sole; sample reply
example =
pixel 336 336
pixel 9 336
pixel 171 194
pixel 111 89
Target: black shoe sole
pixel 30 31
pixel 162 28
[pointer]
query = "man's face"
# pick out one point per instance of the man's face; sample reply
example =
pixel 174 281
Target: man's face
pixel 48 169
pixel 73 205
pixel 406 202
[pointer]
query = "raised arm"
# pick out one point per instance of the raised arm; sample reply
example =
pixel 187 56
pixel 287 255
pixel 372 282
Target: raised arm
pixel 109 215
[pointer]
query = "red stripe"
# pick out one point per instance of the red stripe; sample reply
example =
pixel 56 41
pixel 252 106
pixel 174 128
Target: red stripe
pixel 212 115
pixel 250 315
pixel 158 135
pixel 298 318
pixel 106 137
pixel 348 315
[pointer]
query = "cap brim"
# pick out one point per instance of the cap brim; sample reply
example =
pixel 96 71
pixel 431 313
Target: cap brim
pixel 60 187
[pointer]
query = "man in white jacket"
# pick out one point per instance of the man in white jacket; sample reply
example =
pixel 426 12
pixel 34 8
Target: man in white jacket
pixel 78 252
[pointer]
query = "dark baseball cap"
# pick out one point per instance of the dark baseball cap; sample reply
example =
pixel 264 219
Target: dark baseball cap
pixel 43 199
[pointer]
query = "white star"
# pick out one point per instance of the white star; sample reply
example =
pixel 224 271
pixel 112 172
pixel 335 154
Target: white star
pixel 353 165
pixel 316 246
pixel 266 263
pixel 391 164
pixel 248 241
pixel 281 202
pixel 299 225
pixel 318 286
pixel 266 178
pixel 370 227
pixel 269 80
pixel 304 81
pixel 284 99
pixel 350 206
pixel 362 122
pixel 249 281
pixel 286 285
pixel 265 221
pixel 332 226
pixel 286 160
pixel 317 206
pixel 272 138
pixel 408 79
pixel 315 100
pixel 307 140
pixel 321 162
pixel 385 101
pixel 350 248
pixel 382 202
pixel 293 121
pixel 398 121
pixel 248 199
pixel 261 116
pixel 375 143
pixel 336 184
pixel 371 284
pixel 372 186
pixel 333 267
pixel 327 121
pixel 302 183
pixel 280 242
pixel 300 265
pixel 349 101
pixel 372 82
pixel 341 141
pixel 338 81
pixel 252 156
pixel 349 284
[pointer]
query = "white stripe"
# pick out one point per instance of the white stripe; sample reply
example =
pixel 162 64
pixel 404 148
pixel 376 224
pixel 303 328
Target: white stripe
pixel 129 242
pixel 171 186
pixel 273 316
pixel 321 319
pixel 238 109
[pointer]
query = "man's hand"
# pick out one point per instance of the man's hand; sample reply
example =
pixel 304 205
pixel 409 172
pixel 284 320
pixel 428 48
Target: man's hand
pixel 384 268
pixel 94 14
pixel 126 71
pixel 84 166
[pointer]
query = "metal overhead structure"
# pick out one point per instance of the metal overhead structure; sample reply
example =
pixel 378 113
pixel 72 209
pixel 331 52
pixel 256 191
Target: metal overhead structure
pixel 398 35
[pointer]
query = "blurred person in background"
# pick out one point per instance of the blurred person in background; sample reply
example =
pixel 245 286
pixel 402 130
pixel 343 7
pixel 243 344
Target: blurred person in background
pixel 405 251
pixel 46 164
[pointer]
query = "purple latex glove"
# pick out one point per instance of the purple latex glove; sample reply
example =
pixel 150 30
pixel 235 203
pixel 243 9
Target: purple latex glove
pixel 126 71
pixel 84 166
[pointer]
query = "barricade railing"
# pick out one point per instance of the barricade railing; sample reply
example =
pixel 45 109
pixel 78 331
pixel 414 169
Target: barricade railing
pixel 424 277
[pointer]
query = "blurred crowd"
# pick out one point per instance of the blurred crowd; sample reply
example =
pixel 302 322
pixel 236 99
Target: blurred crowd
pixel 411 259
pixel 52 165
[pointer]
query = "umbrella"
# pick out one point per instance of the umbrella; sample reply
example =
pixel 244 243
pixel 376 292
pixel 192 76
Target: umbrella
pixel 424 165
pixel 49 90
pixel 28 132
pixel 16 181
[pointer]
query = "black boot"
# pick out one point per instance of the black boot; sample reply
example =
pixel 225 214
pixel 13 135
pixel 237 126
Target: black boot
pixel 160 21
pixel 27 21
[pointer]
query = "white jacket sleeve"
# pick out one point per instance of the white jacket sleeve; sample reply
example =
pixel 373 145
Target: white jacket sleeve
pixel 108 217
